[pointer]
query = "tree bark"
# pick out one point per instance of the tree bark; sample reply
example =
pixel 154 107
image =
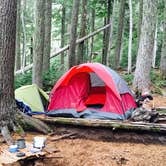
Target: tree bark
pixel 18 29
pixel 73 34
pixel 23 61
pixel 7 59
pixel 63 28
pixel 111 34
pixel 120 32
pixel 130 38
pixel 139 22
pixel 81 46
pixel 38 43
pixel 92 23
pixel 163 52
pixel 106 33
pixel 154 48
pixel 8 112
pixel 47 35
pixel 144 55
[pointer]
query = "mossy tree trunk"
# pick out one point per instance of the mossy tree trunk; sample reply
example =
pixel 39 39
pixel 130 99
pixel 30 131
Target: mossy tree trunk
pixel 8 112
pixel 120 34
pixel 81 57
pixel 73 34
pixel 47 35
pixel 163 53
pixel 38 43
pixel 18 53
pixel 106 33
pixel 145 50
pixel 63 29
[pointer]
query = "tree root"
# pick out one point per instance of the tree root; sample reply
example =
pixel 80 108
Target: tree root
pixel 19 122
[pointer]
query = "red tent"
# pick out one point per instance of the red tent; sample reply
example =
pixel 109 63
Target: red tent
pixel 91 90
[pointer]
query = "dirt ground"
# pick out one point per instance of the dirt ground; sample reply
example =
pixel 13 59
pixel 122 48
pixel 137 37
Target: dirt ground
pixel 86 152
pixel 97 153
pixel 90 152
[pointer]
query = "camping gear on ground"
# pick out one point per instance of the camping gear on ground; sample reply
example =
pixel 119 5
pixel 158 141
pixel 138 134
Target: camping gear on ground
pixel 35 150
pixel 23 107
pixel 39 142
pixel 21 143
pixel 141 99
pixel 13 148
pixel 20 154
pixel 34 97
pixel 93 91
pixel 143 115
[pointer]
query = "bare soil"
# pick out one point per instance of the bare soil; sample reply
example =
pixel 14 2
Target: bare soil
pixel 83 151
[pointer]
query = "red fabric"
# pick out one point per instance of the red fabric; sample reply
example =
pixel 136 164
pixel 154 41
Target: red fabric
pixel 73 95
pixel 73 89
pixel 88 67
pixel 97 90
pixel 128 101
pixel 95 99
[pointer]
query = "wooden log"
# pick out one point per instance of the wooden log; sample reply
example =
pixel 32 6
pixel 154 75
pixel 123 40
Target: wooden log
pixel 55 53
pixel 113 124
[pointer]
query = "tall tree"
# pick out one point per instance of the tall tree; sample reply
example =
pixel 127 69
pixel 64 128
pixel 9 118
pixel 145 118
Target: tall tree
pixel 7 59
pixel 81 46
pixel 111 34
pixel 139 22
pixel 92 28
pixel 18 34
pixel 163 52
pixel 38 43
pixel 23 11
pixel 144 55
pixel 130 38
pixel 73 33
pixel 106 33
pixel 63 27
pixel 155 48
pixel 47 35
pixel 120 32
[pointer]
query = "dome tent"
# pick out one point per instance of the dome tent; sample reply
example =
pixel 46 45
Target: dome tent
pixel 34 97
pixel 91 90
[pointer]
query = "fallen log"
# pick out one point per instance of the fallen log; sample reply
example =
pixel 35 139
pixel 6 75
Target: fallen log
pixel 55 53
pixel 113 124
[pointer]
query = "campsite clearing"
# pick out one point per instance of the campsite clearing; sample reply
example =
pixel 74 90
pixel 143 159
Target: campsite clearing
pixel 86 152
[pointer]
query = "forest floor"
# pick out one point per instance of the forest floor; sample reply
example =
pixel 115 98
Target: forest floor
pixel 91 152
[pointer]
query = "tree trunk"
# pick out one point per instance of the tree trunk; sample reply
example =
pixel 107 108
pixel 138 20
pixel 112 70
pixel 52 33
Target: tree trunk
pixel 8 114
pixel 130 38
pixel 63 27
pixel 120 32
pixel 73 34
pixel 92 23
pixel 139 22
pixel 18 29
pixel 144 55
pixel 7 54
pixel 38 43
pixel 47 35
pixel 24 35
pixel 111 34
pixel 163 52
pixel 81 47
pixel 154 48
pixel 106 33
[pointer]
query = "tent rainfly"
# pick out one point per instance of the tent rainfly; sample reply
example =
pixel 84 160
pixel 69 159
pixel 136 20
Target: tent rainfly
pixel 34 97
pixel 92 91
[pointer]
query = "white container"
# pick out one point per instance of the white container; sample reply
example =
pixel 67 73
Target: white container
pixel 39 142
